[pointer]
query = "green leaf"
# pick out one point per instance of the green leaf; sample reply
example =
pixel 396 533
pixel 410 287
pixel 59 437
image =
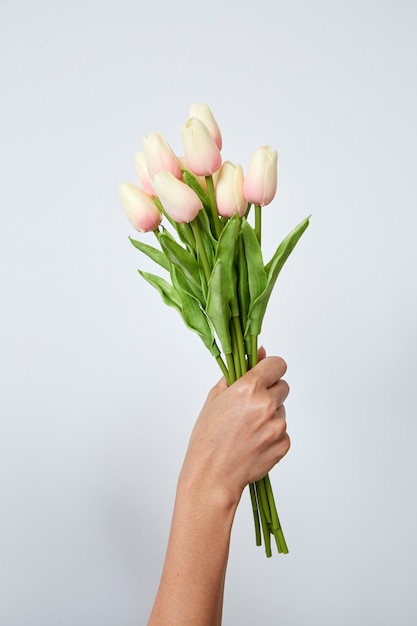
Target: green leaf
pixel 168 292
pixel 218 310
pixel 257 276
pixel 210 243
pixel 153 253
pixel 195 185
pixel 181 258
pixel 186 235
pixel 242 282
pixel 258 307
pixel 226 252
pixel 285 248
pixel 182 284
pixel 195 318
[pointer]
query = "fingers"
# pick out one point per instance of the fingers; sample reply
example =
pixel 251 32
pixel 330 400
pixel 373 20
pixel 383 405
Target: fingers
pixel 280 391
pixel 268 371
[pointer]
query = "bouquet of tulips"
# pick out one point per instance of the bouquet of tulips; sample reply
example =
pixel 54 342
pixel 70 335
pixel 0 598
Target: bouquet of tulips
pixel 209 246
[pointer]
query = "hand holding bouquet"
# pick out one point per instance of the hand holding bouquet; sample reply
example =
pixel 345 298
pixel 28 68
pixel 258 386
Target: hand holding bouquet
pixel 200 211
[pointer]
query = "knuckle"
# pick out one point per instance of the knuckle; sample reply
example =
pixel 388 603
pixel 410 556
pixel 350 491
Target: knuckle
pixel 248 385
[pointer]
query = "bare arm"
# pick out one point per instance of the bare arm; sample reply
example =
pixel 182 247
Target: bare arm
pixel 239 436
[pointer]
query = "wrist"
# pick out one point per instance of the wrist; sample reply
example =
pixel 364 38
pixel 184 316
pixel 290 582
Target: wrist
pixel 205 491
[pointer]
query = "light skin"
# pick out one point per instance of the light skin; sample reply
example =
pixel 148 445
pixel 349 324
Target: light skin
pixel 238 437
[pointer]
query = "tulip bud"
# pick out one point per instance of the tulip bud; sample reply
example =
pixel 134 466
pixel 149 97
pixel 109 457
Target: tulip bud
pixel 201 151
pixel 260 184
pixel 180 202
pixel 159 156
pixel 204 114
pixel 140 209
pixel 229 190
pixel 142 172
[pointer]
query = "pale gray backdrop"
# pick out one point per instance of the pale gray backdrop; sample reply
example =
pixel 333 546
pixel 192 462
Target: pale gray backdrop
pixel 101 383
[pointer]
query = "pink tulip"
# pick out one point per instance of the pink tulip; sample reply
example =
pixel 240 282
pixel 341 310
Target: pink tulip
pixel 201 151
pixel 142 172
pixel 229 190
pixel 260 184
pixel 203 113
pixel 180 202
pixel 140 209
pixel 159 156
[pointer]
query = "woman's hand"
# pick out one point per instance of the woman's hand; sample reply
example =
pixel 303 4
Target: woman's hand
pixel 240 433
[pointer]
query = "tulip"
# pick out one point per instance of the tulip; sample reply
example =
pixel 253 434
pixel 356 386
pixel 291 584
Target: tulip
pixel 203 113
pixel 140 209
pixel 229 190
pixel 260 184
pixel 201 151
pixel 180 202
pixel 159 156
pixel 142 172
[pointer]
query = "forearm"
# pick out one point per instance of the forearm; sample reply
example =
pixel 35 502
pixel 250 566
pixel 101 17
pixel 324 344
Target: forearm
pixel 192 582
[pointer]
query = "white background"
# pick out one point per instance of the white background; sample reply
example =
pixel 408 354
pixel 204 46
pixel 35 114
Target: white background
pixel 101 383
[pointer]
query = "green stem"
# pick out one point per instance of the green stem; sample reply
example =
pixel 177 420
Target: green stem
pixel 274 515
pixel 255 510
pixel 253 357
pixel 280 541
pixel 235 352
pixel 214 216
pixel 264 500
pixel 231 368
pixel 258 222
pixel 240 343
pixel 223 368
pixel 201 250
pixel 276 525
pixel 265 528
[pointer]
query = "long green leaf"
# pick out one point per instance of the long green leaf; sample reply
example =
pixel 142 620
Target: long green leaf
pixel 153 253
pixel 218 310
pixel 258 307
pixel 181 258
pixel 257 276
pixel 210 243
pixel 182 284
pixel 242 282
pixel 168 292
pixel 226 253
pixel 195 318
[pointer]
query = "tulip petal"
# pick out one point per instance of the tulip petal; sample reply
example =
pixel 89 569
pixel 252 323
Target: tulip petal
pixel 203 113
pixel 201 151
pixel 180 202
pixel 160 156
pixel 260 184
pixel 140 209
